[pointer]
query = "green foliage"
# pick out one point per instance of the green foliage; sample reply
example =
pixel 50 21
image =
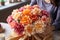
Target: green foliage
pixel 2 0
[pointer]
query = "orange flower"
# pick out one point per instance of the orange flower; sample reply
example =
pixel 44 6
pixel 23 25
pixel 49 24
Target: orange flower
pixel 25 20
pixel 26 12
pixel 38 26
pixel 29 29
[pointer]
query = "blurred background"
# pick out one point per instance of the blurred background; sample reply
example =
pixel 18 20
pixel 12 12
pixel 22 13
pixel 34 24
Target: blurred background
pixel 5 2
pixel 7 6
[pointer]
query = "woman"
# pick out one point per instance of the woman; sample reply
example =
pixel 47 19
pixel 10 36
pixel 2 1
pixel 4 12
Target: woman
pixel 53 7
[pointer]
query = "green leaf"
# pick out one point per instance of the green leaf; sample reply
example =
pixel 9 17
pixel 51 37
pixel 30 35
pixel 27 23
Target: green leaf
pixel 18 21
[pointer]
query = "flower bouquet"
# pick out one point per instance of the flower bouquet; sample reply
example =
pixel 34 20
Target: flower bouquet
pixel 29 22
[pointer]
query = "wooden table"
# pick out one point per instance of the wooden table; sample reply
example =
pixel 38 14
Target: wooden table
pixel 8 31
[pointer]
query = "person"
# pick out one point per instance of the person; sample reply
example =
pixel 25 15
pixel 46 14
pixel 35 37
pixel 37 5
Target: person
pixel 53 7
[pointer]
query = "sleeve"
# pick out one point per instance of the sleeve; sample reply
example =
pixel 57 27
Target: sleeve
pixel 57 20
pixel 33 2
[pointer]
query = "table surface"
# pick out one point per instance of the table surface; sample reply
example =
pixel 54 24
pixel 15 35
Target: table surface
pixel 8 31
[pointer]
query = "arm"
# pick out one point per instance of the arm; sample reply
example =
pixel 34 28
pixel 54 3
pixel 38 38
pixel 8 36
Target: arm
pixel 33 2
pixel 57 20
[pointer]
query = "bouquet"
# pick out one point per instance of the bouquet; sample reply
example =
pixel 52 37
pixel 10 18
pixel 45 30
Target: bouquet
pixel 29 20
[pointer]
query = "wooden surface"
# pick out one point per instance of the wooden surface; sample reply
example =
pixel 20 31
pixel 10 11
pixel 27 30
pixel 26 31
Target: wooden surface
pixel 8 31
